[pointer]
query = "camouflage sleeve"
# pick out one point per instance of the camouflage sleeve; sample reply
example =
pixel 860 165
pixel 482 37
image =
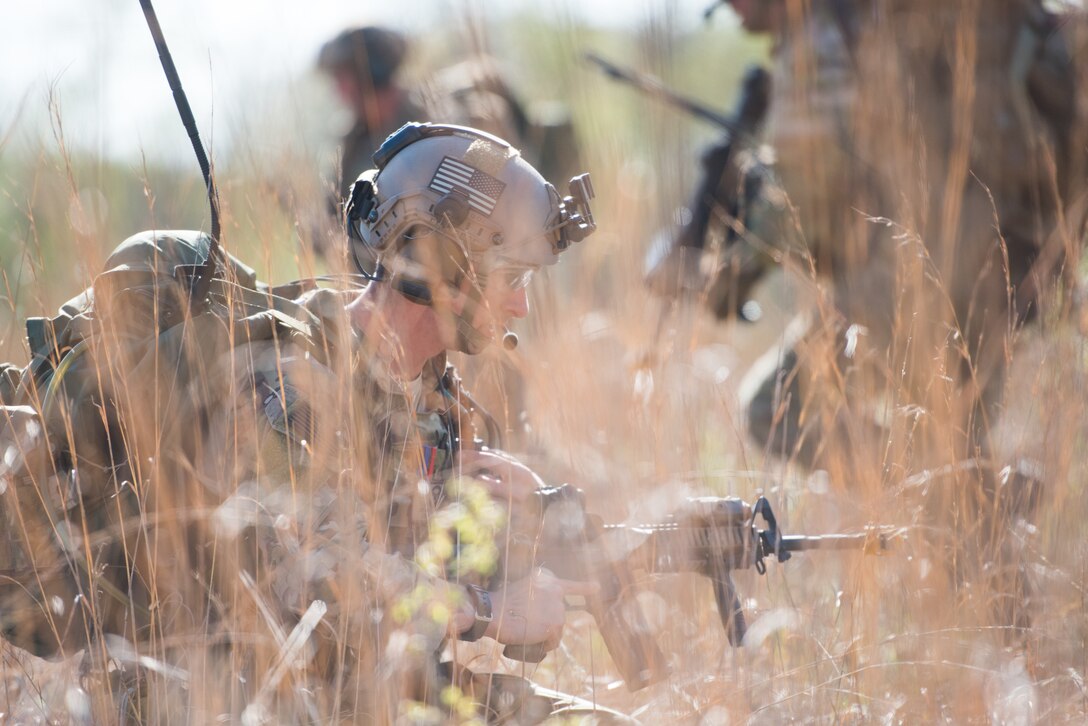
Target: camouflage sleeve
pixel 811 126
pixel 34 571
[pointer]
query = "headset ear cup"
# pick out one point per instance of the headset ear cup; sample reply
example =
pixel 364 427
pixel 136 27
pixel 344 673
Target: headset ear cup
pixel 362 203
pixel 415 291
pixel 425 261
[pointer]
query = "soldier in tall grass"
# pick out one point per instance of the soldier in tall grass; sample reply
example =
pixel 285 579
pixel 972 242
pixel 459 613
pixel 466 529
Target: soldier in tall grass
pixel 282 500
pixel 933 160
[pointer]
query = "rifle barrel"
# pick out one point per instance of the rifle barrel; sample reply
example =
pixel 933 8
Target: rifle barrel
pixel 656 89
pixel 862 540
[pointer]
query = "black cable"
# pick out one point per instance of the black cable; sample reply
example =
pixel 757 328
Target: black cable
pixel 202 277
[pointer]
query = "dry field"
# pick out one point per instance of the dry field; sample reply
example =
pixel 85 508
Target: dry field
pixel 638 403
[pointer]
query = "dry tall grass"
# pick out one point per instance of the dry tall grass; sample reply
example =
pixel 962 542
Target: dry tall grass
pixel 641 415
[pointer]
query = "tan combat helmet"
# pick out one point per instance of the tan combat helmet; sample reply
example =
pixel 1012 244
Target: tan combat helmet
pixel 446 202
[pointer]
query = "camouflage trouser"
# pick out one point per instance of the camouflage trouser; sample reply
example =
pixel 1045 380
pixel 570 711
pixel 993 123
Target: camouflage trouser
pixel 828 389
pixel 798 401
pixel 509 699
pixel 812 402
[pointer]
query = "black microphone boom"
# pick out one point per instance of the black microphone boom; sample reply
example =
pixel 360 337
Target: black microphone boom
pixel 202 274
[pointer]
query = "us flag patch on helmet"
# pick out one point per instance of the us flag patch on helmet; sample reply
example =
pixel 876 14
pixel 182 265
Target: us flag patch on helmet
pixel 482 189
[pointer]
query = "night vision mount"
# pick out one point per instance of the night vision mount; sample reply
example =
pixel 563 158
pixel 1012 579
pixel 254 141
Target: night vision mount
pixel 575 215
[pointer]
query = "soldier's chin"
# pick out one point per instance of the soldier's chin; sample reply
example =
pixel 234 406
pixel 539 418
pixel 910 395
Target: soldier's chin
pixel 472 340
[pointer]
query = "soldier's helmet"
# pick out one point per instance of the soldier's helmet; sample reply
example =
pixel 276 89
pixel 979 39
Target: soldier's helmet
pixel 446 204
pixel 370 54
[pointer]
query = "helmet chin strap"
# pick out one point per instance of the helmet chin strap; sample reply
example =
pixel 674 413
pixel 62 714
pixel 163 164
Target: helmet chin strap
pixel 468 339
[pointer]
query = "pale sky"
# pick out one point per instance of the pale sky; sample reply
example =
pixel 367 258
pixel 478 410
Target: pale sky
pixel 113 98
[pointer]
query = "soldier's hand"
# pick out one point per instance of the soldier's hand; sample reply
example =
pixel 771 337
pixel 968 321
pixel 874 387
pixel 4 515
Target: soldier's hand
pixel 533 610
pixel 506 478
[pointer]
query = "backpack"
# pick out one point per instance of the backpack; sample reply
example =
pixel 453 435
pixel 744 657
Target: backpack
pixel 110 376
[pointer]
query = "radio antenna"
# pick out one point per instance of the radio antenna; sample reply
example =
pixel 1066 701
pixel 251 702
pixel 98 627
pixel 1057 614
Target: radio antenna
pixel 200 275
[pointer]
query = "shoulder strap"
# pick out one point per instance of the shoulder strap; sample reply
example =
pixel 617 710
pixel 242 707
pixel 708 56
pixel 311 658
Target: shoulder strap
pixel 448 384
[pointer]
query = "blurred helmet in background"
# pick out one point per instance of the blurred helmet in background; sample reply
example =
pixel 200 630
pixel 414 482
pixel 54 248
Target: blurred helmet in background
pixel 370 54
pixel 477 93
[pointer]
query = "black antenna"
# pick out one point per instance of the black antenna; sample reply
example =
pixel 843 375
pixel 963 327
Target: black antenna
pixel 201 275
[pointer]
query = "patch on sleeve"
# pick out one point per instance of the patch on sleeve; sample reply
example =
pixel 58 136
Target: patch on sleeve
pixel 286 411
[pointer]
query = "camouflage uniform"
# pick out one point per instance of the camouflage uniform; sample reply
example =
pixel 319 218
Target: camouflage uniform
pixel 811 127
pixel 339 469
pixel 915 143
pixel 899 159
pixel 281 448
pixel 296 438
pixel 288 467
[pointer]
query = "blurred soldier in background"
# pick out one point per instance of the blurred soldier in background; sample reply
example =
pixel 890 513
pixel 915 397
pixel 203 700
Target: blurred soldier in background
pixel 857 155
pixel 363 63
pixel 934 167
pixel 894 149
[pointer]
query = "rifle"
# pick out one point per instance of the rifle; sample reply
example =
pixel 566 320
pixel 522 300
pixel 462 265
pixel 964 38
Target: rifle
pixel 655 88
pixel 197 277
pixel 727 187
pixel 712 537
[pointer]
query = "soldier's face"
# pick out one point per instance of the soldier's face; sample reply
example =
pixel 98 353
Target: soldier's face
pixel 359 97
pixel 348 88
pixel 506 297
pixel 469 328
